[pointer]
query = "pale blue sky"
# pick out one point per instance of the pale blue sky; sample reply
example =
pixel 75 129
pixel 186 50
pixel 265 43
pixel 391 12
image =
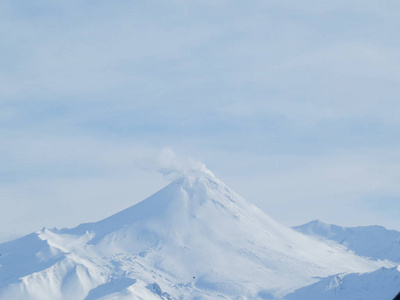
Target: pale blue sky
pixel 294 105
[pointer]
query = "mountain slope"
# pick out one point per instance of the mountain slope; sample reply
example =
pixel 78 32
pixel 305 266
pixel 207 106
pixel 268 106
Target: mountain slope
pixel 372 241
pixel 381 284
pixel 194 238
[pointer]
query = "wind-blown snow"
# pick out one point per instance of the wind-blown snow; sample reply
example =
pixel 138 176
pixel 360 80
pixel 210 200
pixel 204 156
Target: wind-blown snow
pixel 193 239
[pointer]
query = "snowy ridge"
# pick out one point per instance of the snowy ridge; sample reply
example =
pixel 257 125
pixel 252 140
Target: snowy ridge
pixel 193 239
pixel 381 284
pixel 376 242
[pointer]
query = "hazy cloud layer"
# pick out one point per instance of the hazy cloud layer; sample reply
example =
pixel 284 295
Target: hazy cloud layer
pixel 293 104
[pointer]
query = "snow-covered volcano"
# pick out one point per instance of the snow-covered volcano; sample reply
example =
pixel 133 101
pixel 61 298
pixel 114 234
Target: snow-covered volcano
pixel 194 239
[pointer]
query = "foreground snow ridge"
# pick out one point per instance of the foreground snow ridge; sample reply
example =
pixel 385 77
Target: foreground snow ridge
pixel 194 239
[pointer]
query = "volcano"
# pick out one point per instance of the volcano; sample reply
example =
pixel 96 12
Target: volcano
pixel 194 239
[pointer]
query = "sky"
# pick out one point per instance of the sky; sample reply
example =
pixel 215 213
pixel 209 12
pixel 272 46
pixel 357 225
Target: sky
pixel 294 105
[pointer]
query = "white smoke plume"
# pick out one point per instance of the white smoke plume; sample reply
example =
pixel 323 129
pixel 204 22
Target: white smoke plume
pixel 173 165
